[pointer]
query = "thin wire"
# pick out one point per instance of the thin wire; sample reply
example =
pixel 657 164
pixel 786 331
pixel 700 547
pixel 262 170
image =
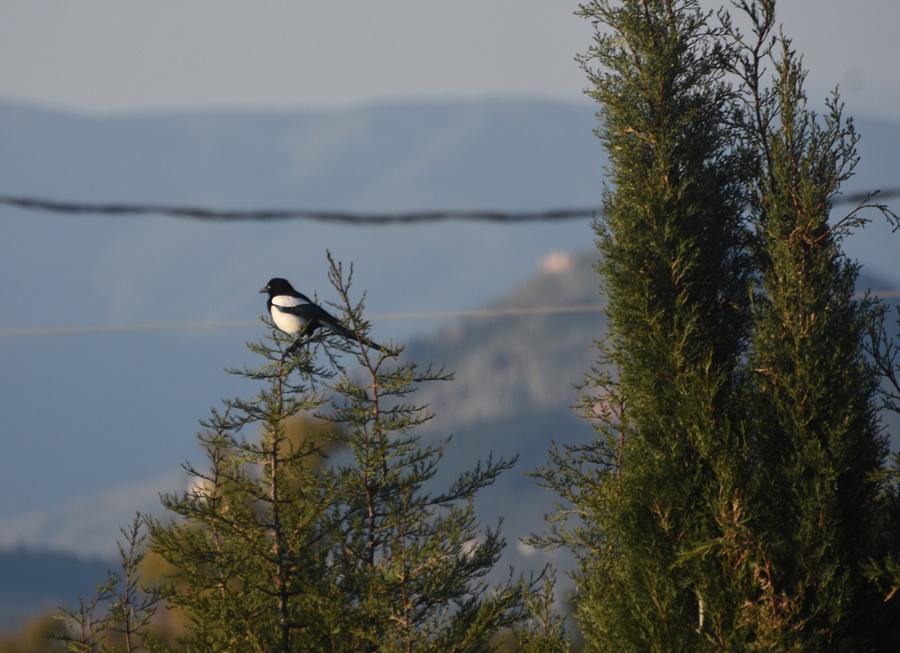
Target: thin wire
pixel 122 328
pixel 37 204
pixel 485 313
pixel 342 217
pixel 227 324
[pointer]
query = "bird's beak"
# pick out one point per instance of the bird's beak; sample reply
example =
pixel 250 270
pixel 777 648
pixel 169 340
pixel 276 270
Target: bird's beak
pixel 266 289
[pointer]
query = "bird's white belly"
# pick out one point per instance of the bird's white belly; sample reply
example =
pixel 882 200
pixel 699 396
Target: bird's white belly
pixel 287 322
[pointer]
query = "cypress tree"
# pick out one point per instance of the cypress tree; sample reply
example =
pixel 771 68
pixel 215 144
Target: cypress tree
pixel 817 437
pixel 736 496
pixel 674 271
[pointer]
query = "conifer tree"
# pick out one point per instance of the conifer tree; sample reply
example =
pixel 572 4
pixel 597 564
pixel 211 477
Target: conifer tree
pixel 118 616
pixel 674 270
pixel 884 350
pixel 246 541
pixel 542 629
pixel 276 552
pixel 735 497
pixel 407 558
pixel 817 442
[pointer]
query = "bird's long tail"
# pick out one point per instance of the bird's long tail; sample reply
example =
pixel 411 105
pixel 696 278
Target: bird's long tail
pixel 343 331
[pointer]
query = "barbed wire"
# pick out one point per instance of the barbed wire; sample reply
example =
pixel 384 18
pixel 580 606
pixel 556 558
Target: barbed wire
pixel 344 217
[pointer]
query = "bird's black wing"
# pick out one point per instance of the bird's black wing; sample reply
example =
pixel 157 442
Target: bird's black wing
pixel 318 316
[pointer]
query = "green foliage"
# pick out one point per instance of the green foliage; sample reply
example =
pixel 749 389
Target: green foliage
pixel 675 272
pixel 274 550
pixel 817 441
pixel 543 630
pixel 118 616
pixel 732 498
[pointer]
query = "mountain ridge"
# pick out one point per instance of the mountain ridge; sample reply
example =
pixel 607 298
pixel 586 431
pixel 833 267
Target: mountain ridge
pixel 93 416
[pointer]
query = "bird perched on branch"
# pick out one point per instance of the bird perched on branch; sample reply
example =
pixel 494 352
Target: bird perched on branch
pixel 296 314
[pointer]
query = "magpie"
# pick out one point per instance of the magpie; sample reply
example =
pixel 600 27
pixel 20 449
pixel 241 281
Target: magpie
pixel 295 313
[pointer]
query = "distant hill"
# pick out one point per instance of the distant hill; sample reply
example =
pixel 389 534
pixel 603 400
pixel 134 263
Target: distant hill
pixel 511 396
pixel 122 407
pixel 32 582
pixel 390 157
pixel 514 385
pixel 95 423
pixel 515 368
pixel 526 361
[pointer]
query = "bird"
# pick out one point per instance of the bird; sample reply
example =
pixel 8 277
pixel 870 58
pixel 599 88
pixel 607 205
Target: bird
pixel 296 314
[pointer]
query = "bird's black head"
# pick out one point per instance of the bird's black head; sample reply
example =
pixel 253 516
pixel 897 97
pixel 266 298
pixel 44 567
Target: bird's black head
pixel 278 286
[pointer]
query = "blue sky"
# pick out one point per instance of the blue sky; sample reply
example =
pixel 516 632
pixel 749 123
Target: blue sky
pixel 112 56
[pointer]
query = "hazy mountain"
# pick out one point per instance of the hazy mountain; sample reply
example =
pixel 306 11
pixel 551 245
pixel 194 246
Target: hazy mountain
pixel 511 396
pixel 33 582
pixel 515 370
pixel 492 155
pixel 515 364
pixel 508 361
pixel 512 393
pixel 84 413
pixel 95 423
